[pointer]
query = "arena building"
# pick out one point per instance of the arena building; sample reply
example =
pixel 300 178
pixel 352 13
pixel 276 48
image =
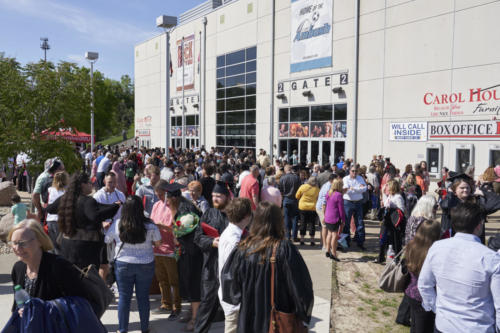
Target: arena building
pixel 410 79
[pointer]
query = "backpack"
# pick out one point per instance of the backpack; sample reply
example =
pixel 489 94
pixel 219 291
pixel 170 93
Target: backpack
pixel 47 182
pixel 129 172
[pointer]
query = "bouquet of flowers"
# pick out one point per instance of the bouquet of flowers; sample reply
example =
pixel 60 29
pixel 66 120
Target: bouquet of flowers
pixel 185 224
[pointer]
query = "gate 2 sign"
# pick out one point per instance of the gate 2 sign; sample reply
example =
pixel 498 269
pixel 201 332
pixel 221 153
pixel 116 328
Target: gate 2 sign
pixel 408 131
pixel 488 129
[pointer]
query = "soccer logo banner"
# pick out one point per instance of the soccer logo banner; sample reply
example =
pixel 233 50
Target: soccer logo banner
pixel 311 34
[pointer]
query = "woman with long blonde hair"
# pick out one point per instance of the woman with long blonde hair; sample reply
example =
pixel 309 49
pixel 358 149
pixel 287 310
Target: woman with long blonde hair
pixel 334 217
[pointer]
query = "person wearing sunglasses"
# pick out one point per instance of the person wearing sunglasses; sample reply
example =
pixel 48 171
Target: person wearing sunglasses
pixel 354 186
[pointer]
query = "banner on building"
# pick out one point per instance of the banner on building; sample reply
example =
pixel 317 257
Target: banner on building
pixel 188 49
pixel 460 130
pixel 311 34
pixel 408 131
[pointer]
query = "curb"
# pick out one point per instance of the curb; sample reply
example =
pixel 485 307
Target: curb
pixel 335 295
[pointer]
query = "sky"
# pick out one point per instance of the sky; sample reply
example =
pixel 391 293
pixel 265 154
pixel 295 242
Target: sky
pixel 110 27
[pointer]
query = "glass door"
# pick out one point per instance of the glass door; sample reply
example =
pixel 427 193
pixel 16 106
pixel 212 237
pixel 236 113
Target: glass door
pixel 304 151
pixel 326 151
pixel 315 151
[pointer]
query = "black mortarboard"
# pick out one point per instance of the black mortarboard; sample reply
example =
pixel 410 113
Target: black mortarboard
pixel 227 178
pixel 221 188
pixel 452 176
pixel 174 189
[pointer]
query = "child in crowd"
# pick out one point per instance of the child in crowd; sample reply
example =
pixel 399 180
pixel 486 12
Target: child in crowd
pixel 18 210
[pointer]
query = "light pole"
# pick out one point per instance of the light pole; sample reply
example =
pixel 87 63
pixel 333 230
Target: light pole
pixel 167 23
pixel 92 58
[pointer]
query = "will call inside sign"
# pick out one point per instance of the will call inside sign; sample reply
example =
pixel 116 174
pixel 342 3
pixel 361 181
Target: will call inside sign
pixel 464 129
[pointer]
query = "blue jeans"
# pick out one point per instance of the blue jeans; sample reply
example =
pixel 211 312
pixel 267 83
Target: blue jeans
pixel 291 213
pixel 128 275
pixel 354 208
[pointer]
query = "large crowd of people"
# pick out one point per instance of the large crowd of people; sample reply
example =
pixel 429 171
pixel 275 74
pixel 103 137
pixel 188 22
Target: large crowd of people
pixel 206 223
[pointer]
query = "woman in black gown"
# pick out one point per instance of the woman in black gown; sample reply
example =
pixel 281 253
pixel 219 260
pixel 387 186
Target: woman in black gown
pixel 80 223
pixel 186 219
pixel 246 276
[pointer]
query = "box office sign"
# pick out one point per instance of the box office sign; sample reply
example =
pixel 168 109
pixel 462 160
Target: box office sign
pixel 460 130
pixel 408 131
pixel 311 34
pixel 188 49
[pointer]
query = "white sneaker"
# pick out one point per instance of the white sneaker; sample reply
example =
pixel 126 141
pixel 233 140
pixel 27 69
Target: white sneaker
pixel 323 249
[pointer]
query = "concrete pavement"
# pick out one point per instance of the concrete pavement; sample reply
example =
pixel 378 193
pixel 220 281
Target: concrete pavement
pixel 319 268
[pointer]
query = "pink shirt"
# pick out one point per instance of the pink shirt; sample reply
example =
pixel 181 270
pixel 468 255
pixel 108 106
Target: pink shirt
pixel 249 188
pixel 271 194
pixel 161 214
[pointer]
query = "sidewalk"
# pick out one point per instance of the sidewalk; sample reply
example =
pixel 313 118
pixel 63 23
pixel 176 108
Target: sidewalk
pixel 319 268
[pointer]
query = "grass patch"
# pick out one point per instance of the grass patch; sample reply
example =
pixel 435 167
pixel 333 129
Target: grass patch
pixel 367 300
pixel 357 274
pixel 366 285
pixel 388 303
pixel 385 313
pixel 374 308
pixel 379 291
pixel 113 140
pixel 372 315
pixel 360 308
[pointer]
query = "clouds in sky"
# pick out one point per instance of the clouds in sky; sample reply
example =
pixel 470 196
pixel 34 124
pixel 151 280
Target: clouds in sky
pixel 95 28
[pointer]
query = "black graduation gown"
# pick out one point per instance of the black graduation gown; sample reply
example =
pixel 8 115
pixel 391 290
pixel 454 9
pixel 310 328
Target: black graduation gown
pixel 190 260
pixel 210 272
pixel 246 281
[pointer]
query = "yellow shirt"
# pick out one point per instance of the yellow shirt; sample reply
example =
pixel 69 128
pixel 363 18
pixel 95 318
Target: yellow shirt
pixel 307 196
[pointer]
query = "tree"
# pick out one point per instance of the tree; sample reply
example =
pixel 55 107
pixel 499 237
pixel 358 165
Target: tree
pixel 43 96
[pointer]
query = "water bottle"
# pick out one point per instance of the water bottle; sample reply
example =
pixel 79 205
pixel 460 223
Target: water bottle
pixel 20 295
pixel 390 254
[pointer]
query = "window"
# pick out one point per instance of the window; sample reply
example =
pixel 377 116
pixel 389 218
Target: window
pixel 236 99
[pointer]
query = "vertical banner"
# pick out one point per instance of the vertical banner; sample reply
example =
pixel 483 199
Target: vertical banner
pixel 311 34
pixel 188 63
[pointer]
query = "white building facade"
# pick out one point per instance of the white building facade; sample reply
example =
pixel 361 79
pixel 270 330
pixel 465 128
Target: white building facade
pixel 410 79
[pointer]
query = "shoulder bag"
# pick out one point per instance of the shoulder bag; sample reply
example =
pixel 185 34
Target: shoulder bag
pixel 112 268
pixel 98 294
pixel 281 322
pixel 395 276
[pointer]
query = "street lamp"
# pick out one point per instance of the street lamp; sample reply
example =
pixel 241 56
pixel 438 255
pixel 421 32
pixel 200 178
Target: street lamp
pixel 167 23
pixel 92 58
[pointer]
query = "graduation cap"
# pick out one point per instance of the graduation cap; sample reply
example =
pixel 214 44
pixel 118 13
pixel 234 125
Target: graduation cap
pixel 174 189
pixel 220 187
pixel 452 176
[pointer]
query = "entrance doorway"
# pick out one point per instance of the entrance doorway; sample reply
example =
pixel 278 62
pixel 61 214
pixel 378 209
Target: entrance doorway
pixel 317 151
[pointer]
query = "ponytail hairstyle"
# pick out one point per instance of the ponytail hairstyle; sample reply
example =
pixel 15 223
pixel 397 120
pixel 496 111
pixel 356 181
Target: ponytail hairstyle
pixel 67 206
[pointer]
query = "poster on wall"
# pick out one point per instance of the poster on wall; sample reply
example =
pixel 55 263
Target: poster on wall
pixel 340 130
pixel 322 129
pixel 408 131
pixel 188 63
pixel 311 34
pixel 464 130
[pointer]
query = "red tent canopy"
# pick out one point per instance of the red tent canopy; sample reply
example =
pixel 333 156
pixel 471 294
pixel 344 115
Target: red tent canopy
pixel 70 134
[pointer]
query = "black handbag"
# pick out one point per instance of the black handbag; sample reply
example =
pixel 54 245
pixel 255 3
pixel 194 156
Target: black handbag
pixel 98 294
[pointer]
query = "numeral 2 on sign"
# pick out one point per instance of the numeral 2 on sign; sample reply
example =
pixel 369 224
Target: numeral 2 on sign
pixel 343 79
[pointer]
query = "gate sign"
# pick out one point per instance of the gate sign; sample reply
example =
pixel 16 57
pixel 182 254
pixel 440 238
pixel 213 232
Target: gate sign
pixel 487 129
pixel 311 34
pixel 408 131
